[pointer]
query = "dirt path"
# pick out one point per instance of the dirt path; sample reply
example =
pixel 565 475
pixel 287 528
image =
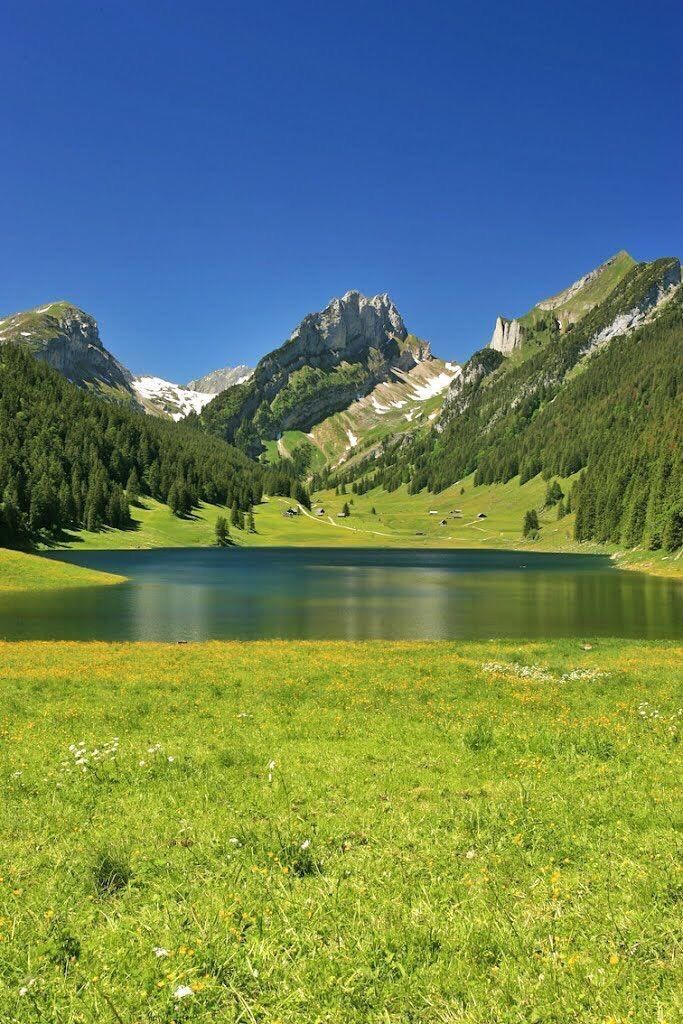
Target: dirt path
pixel 342 526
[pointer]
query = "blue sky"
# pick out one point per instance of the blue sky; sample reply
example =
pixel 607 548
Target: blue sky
pixel 200 176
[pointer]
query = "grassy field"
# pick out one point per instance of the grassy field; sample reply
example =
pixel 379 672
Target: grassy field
pixel 341 833
pixel 20 571
pixel 400 520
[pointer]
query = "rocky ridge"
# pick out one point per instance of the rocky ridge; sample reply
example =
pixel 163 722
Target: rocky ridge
pixel 218 380
pixel 332 359
pixel 68 339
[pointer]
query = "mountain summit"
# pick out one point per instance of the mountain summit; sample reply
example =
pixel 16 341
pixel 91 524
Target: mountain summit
pixel 333 358
pixel 68 339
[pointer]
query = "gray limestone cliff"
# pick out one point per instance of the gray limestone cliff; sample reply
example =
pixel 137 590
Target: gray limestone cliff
pixel 507 336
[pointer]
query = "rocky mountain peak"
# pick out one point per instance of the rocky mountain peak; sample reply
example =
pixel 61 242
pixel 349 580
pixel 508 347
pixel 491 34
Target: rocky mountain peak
pixel 352 317
pixel 68 339
pixel 218 380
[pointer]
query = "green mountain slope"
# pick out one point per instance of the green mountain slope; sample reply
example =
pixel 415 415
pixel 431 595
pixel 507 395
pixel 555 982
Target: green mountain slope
pixel 333 361
pixel 63 336
pixel 603 397
pixel 69 459
pixel 551 317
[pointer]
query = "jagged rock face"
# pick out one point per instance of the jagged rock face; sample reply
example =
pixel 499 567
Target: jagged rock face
pixel 507 336
pixel 332 359
pixel 344 331
pixel 218 380
pixel 68 339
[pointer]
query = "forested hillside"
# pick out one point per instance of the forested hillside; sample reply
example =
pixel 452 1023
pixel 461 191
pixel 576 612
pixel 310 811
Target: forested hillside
pixel 68 459
pixel 593 399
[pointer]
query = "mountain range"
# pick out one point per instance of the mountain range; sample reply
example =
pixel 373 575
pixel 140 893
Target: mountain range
pixel 68 339
pixel 585 386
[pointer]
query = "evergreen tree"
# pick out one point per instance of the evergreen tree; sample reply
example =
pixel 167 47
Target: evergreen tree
pixel 222 532
pixel 673 528
pixel 531 525
pixel 133 486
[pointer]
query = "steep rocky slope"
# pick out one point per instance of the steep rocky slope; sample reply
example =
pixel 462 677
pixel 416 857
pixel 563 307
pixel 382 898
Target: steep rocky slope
pixel 218 380
pixel 333 359
pixel 560 312
pixel 68 339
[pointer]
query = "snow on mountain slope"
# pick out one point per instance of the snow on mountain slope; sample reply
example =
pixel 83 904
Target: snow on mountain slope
pixel 393 406
pixel 164 398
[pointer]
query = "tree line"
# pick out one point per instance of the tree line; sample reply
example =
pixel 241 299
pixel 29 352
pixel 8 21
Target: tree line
pixel 614 418
pixel 70 460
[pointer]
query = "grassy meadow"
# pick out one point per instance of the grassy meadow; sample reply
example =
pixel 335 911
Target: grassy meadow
pixel 325 832
pixel 20 571
pixel 399 520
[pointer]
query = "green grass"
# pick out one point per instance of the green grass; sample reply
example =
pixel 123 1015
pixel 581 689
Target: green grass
pixel 21 571
pixel 597 291
pixel 400 520
pixel 330 832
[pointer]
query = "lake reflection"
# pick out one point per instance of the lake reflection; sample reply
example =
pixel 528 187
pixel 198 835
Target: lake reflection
pixel 196 594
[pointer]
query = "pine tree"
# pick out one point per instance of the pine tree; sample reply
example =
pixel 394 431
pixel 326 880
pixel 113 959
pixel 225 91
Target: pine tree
pixel 133 486
pixel 531 525
pixel 251 525
pixel 222 532
pixel 673 528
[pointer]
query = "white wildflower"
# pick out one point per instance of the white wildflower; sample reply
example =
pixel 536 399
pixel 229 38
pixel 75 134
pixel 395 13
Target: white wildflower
pixel 159 951
pixel 471 854
pixel 183 991
pixel 306 843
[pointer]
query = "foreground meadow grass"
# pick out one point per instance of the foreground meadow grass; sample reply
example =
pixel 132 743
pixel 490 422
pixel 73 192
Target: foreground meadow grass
pixel 341 832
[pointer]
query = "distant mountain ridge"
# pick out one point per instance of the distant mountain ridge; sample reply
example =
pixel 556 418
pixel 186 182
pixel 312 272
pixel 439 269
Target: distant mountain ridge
pixel 68 339
pixel 567 307
pixel 218 380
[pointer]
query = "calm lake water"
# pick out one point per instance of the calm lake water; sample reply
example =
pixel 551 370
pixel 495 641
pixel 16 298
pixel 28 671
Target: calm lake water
pixel 318 593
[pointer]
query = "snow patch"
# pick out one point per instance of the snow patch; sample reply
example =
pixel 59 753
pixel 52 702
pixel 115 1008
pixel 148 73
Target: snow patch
pixel 176 401
pixel 353 440
pixel 627 322
pixel 436 385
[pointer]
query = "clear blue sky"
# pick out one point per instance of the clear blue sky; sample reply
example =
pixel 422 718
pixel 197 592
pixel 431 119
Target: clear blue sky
pixel 199 176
